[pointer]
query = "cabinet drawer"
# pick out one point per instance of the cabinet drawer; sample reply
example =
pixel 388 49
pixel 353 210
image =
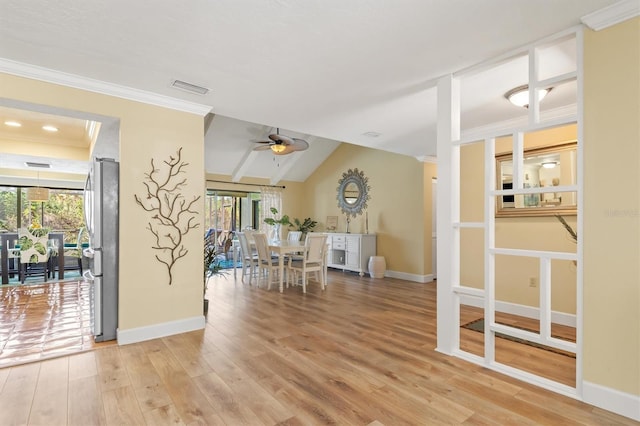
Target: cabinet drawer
pixel 338 243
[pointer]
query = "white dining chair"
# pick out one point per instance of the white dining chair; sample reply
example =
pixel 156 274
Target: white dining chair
pixel 294 235
pixel 312 260
pixel 248 257
pixel 267 265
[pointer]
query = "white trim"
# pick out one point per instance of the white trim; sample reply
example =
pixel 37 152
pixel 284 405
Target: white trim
pixel 612 15
pixel 428 159
pixel 613 400
pixel 548 118
pixel 97 86
pixel 532 312
pixel 155 331
pixel 409 277
pixel 49 183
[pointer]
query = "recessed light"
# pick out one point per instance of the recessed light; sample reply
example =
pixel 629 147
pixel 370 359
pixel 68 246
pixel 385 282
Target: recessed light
pixel 50 128
pixel 372 134
pixel 12 123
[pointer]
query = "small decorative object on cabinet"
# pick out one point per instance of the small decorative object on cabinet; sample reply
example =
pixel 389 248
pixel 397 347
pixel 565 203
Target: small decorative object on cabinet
pixel 351 252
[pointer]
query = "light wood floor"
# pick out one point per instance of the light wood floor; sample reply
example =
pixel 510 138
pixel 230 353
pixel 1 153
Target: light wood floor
pixel 359 353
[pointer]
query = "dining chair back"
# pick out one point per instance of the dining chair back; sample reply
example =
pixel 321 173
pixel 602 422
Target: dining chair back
pixel 72 253
pixel 248 257
pixel 35 250
pixel 312 260
pixel 267 265
pixel 294 235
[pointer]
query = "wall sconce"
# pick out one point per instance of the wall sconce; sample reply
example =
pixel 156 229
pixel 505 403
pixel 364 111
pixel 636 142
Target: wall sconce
pixel 519 96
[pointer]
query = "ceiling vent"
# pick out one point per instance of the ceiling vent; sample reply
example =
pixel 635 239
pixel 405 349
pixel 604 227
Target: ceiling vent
pixel 38 165
pixel 188 87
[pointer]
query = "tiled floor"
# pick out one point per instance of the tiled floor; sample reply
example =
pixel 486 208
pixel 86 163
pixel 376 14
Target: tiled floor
pixel 42 321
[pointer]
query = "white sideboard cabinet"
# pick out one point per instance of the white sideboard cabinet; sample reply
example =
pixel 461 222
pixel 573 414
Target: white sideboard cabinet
pixel 351 252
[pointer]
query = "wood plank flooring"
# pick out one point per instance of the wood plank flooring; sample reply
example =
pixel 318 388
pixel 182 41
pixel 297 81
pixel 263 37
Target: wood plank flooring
pixel 359 353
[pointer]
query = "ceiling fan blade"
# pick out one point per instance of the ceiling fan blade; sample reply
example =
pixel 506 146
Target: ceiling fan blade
pixel 262 148
pixel 269 142
pixel 286 140
pixel 299 145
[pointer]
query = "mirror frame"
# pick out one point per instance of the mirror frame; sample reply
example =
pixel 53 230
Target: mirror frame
pixel 532 211
pixel 358 178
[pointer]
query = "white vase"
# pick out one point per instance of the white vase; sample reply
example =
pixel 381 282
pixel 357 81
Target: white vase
pixel 377 266
pixel 275 232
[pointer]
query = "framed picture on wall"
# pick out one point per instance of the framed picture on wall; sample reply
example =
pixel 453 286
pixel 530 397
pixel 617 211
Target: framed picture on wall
pixel 332 223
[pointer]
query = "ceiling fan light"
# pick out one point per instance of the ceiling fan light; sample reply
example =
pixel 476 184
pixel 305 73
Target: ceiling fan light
pixel 278 148
pixel 519 96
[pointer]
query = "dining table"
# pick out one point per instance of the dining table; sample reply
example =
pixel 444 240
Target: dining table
pixel 281 248
pixel 8 239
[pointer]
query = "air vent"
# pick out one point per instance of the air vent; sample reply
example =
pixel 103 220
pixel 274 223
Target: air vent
pixel 372 134
pixel 188 87
pixel 38 165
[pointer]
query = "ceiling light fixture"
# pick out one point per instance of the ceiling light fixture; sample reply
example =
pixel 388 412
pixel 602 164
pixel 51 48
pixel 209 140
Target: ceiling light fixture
pixel 549 164
pixel 12 123
pixel 38 193
pixel 50 128
pixel 519 96
pixel 278 148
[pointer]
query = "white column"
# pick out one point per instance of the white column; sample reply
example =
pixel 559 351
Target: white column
pixel 448 202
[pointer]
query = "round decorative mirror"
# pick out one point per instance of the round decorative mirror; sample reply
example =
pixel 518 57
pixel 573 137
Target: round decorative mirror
pixel 353 192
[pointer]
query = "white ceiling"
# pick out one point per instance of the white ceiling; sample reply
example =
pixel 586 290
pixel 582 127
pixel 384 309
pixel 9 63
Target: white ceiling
pixel 327 71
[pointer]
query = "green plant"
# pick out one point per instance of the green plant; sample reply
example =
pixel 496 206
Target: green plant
pixel 306 226
pixel 211 265
pixel 284 220
pixel 574 234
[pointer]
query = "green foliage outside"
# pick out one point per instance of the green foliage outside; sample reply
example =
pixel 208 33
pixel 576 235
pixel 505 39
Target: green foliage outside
pixel 63 211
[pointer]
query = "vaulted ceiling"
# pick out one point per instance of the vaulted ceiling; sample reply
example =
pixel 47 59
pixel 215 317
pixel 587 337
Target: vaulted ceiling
pixel 327 71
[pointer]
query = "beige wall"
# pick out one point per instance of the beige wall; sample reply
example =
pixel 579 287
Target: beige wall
pixel 396 210
pixel 612 207
pixel 146 132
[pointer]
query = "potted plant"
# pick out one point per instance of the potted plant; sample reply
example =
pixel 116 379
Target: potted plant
pixel 211 267
pixel 305 226
pixel 277 223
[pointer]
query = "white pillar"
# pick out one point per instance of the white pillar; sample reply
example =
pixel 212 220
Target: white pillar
pixel 448 202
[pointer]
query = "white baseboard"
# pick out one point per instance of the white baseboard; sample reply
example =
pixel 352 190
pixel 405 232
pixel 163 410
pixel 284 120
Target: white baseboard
pixel 409 277
pixel 611 400
pixel 155 331
pixel 521 310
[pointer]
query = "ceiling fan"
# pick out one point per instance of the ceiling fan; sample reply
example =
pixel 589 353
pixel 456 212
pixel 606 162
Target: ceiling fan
pixel 281 144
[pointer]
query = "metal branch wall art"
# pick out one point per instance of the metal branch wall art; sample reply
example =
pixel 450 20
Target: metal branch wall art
pixel 173 216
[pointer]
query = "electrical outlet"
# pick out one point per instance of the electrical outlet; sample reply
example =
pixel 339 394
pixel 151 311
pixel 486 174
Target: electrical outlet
pixel 533 282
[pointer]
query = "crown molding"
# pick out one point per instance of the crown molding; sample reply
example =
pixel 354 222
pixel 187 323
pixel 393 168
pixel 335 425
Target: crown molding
pixel 70 80
pixel 612 15
pixel 427 159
